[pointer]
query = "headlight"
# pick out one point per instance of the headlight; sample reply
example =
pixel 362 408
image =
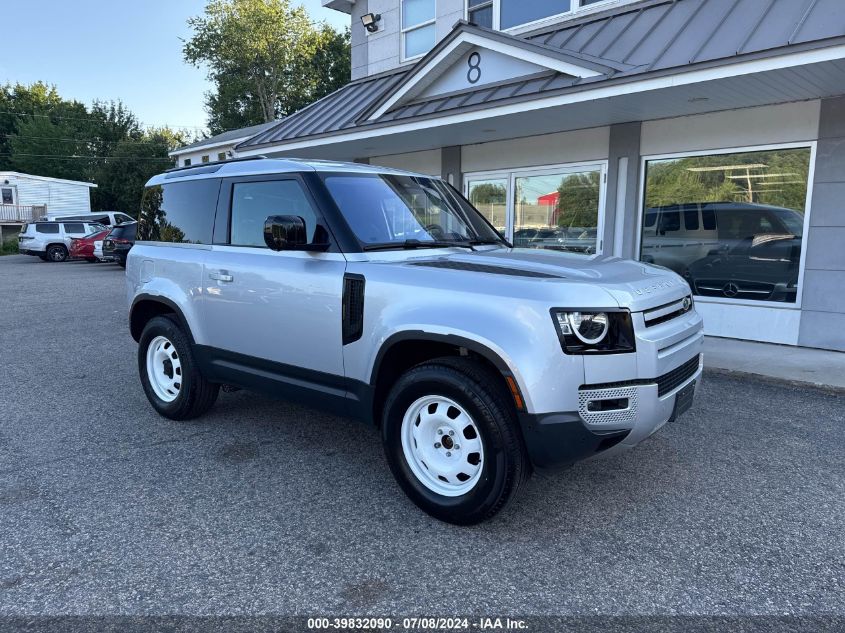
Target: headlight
pixel 589 328
pixel 594 332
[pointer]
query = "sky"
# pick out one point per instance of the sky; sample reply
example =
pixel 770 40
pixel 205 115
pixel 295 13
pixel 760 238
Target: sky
pixel 116 49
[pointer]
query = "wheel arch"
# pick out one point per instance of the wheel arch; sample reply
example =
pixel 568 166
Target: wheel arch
pixel 405 349
pixel 147 306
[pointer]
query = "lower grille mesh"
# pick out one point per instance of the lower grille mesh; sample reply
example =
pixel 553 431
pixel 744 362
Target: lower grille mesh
pixel 665 383
pixel 671 380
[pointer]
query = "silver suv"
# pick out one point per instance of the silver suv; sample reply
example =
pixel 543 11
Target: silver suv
pixel 384 295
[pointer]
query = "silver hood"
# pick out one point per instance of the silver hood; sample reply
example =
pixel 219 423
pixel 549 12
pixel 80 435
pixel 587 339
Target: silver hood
pixel 633 285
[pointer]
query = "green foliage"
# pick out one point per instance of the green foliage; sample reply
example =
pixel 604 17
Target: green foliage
pixel 266 59
pixel 45 135
pixel 772 177
pixel 488 193
pixel 578 203
pixel 9 247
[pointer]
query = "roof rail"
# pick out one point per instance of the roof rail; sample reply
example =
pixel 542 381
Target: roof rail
pixel 216 165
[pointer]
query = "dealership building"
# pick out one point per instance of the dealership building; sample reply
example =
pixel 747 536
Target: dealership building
pixel 707 136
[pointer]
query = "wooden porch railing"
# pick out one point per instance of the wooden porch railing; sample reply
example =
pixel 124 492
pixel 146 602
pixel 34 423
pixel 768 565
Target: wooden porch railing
pixel 21 213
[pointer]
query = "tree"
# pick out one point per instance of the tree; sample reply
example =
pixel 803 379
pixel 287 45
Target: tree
pixel 43 134
pixel 265 58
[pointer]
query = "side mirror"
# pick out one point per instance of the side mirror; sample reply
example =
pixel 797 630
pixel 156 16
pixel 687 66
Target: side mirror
pixel 285 232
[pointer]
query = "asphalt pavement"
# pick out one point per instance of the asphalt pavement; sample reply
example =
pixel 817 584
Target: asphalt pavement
pixel 262 507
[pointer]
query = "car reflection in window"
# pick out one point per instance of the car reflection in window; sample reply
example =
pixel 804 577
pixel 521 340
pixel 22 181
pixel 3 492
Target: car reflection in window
pixel 763 268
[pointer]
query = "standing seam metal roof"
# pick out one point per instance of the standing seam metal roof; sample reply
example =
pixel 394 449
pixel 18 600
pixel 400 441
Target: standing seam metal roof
pixel 653 35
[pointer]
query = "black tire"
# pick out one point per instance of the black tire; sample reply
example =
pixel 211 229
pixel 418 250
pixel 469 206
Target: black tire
pixel 480 392
pixel 56 253
pixel 196 394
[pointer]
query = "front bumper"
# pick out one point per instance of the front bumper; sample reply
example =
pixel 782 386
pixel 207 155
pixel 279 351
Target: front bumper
pixel 638 408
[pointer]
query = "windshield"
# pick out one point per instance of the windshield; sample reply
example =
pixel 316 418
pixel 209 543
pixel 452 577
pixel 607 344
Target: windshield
pixel 793 221
pixel 386 210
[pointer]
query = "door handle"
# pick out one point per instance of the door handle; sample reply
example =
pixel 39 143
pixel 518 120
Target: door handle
pixel 221 276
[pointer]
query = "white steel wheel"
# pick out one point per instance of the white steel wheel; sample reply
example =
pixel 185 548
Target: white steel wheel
pixel 442 446
pixel 164 369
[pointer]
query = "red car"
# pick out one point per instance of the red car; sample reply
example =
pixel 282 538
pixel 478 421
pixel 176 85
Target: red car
pixel 83 247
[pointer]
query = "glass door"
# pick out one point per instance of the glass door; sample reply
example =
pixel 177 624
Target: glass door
pixel 490 197
pixel 559 209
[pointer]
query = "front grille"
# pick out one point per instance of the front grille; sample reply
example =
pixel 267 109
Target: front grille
pixel 667 312
pixel 734 289
pixel 665 383
pixel 678 376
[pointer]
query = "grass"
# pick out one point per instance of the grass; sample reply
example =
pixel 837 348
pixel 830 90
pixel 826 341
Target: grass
pixel 9 247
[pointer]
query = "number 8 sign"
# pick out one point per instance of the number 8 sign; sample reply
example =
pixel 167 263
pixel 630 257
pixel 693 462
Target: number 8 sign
pixel 474 63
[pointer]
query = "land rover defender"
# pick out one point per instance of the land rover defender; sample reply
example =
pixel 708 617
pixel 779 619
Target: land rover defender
pixel 384 295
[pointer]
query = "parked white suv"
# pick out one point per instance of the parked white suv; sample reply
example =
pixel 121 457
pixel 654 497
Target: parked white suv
pixel 384 295
pixel 107 218
pixel 51 240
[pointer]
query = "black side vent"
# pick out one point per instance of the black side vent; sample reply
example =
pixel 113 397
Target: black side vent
pixel 484 268
pixel 353 307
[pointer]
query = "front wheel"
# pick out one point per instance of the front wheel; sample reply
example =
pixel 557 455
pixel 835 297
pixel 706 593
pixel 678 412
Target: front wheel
pixel 169 374
pixel 452 440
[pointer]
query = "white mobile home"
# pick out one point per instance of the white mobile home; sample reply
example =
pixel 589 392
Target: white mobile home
pixel 24 197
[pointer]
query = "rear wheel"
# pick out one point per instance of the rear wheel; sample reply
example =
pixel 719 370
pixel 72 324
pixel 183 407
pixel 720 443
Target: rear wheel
pixel 169 374
pixel 56 253
pixel 452 440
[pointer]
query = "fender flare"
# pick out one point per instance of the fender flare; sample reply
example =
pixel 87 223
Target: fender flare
pixel 451 339
pixel 171 305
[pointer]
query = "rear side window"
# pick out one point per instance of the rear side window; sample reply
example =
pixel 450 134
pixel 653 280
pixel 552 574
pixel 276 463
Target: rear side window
pixel 122 217
pixel 181 212
pixel 691 219
pixel 708 219
pixel 47 228
pixel 74 227
pixel 124 232
pixel 670 221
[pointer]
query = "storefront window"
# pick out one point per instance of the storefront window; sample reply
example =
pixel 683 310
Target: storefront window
pixel 731 224
pixel 558 211
pixel 490 198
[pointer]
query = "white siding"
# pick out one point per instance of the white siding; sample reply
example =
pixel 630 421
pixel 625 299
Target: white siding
pixel 579 146
pixel 196 155
pixel 58 196
pixel 426 162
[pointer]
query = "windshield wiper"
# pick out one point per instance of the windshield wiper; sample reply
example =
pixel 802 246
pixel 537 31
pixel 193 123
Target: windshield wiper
pixel 412 244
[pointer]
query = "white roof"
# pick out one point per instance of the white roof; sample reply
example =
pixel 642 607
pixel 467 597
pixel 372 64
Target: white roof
pixel 17 174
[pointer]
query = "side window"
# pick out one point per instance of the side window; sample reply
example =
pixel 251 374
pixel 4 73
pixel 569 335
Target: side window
pixel 669 221
pixel 180 212
pixel 253 202
pixel 47 228
pixel 74 227
pixel 650 218
pixel 691 219
pixel 708 219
